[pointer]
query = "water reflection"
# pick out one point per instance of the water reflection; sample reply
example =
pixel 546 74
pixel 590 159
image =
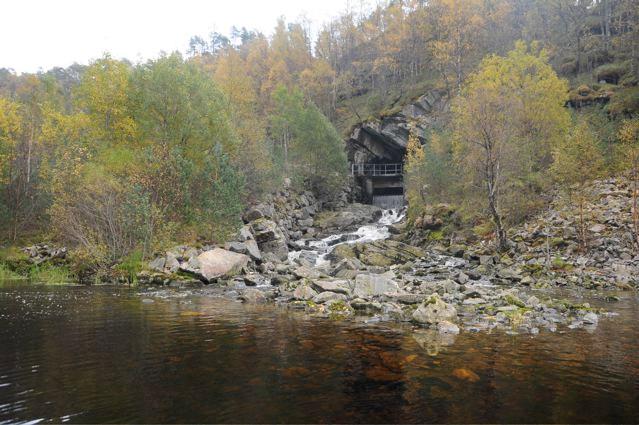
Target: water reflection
pixel 80 354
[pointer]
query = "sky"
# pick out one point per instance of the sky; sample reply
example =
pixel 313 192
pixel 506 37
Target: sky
pixel 41 34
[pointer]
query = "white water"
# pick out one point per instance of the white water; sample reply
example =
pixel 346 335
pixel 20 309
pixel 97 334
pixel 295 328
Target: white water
pixel 367 233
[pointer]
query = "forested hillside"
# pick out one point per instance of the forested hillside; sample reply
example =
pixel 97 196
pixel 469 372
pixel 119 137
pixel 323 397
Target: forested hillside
pixel 118 159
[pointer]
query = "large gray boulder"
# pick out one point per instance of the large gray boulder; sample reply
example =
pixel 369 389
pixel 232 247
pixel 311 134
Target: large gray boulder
pixel 338 286
pixel 434 311
pixel 304 292
pixel 270 239
pixel 381 253
pixel 350 218
pixel 370 285
pixel 248 247
pixel 219 262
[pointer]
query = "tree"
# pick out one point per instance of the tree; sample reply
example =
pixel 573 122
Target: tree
pixel 506 121
pixel 253 155
pixel 576 160
pixel 312 149
pixel 459 25
pixel 103 93
pixel 10 128
pixel 413 173
pixel 629 159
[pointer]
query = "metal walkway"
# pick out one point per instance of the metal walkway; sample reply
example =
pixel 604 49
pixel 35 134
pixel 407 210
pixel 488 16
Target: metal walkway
pixel 374 170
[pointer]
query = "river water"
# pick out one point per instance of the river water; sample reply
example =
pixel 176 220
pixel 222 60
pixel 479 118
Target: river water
pixel 106 354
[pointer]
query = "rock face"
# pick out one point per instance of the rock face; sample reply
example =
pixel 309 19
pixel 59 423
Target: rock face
pixel 385 139
pixel 219 262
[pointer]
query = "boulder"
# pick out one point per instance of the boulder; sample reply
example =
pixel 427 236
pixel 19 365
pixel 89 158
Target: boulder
pixel 259 211
pixel 381 253
pixel 328 296
pixel 219 262
pixel 353 216
pixel 248 247
pixel 304 292
pixel 306 272
pixel 253 296
pixel 157 264
pixel 256 279
pixel 270 239
pixel 338 286
pixel 370 285
pixel 172 264
pixel 433 311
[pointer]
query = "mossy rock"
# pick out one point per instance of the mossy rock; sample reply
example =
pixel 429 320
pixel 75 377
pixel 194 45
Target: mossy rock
pixel 533 268
pixel 436 235
pixel 560 264
pixel 558 243
pixel 513 300
pixel 344 251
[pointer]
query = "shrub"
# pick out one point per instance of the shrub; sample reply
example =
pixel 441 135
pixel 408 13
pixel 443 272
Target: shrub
pixel 7 274
pixel 624 102
pixel 51 275
pixel 612 73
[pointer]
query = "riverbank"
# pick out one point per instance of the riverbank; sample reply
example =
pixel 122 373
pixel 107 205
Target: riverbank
pixel 451 284
pixel 353 261
pixel 189 356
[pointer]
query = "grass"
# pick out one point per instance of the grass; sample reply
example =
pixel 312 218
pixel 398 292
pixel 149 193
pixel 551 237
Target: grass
pixel 131 265
pixel 50 275
pixel 8 274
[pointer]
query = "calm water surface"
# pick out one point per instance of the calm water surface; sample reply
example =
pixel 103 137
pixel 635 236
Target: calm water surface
pixel 104 354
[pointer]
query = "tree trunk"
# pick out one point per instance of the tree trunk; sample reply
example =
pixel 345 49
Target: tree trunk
pixel 499 226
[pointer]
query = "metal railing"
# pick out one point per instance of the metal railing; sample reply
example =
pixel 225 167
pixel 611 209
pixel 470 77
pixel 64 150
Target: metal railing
pixel 377 169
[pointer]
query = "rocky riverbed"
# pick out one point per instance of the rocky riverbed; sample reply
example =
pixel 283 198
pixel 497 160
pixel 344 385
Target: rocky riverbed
pixel 353 264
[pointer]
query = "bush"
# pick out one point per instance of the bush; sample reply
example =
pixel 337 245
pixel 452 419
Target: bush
pixel 131 265
pixel 7 274
pixel 612 73
pixel 624 102
pixel 50 275
pixel 105 217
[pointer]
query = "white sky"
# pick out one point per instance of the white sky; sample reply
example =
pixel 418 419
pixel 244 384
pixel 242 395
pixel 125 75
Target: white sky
pixel 41 34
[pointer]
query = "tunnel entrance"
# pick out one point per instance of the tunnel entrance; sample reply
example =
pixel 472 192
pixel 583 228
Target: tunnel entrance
pixel 382 184
pixel 376 148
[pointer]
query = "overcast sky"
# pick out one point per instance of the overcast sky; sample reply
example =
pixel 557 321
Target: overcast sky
pixel 41 34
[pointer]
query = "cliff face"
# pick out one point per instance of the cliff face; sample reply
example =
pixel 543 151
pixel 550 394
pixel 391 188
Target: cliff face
pixel 384 140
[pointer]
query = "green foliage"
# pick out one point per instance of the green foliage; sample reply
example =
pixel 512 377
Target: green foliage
pixel 7 274
pixel 577 158
pixel 309 145
pixel 560 264
pixel 624 102
pixel 51 275
pixel 506 121
pixel 612 72
pixel 132 264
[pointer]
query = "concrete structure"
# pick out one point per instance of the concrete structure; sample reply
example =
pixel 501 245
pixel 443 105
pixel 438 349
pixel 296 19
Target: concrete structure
pixel 376 149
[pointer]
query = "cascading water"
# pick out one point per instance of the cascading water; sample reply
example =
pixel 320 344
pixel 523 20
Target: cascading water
pixel 316 251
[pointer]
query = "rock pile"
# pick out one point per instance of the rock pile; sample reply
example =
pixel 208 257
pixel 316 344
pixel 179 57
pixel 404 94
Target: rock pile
pixel 42 253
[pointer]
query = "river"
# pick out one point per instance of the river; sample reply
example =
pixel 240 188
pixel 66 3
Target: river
pixel 106 354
